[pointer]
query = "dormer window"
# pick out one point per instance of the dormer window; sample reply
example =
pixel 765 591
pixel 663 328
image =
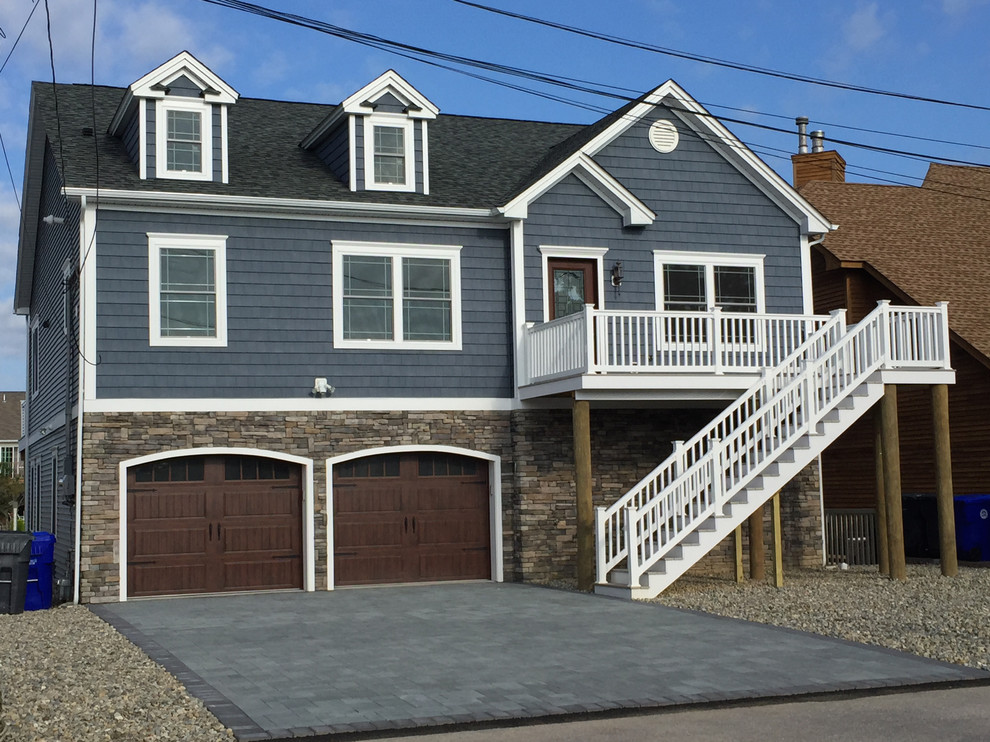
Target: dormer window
pixel 183 136
pixel 389 161
pixel 173 122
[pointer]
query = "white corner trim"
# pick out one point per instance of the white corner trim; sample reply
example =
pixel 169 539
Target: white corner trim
pixel 225 167
pixel 426 158
pixel 517 249
pixel 494 496
pixel 309 540
pixel 142 112
pixel 352 152
pixel 157 241
pixel 634 212
pixel 579 253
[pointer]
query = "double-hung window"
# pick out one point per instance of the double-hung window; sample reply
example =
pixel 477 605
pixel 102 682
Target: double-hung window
pixel 697 282
pixel 184 139
pixel 389 156
pixel 187 277
pixel 396 296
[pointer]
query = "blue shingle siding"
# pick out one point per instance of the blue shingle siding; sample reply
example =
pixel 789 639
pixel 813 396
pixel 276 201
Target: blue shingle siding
pixel 57 243
pixel 280 312
pixel 132 138
pixel 702 203
pixel 335 152
pixel 388 103
pixel 184 87
pixel 150 151
pixel 418 156
pixel 358 163
pixel 217 145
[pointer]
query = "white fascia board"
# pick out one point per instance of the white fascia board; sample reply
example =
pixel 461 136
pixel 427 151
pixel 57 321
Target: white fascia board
pixel 390 81
pixel 265 206
pixel 634 212
pixel 694 115
pixel 303 404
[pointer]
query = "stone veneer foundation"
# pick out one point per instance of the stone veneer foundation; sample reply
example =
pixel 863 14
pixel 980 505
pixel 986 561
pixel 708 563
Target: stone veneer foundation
pixel 535 447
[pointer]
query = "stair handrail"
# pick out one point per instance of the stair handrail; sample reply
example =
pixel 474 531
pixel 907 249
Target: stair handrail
pixel 813 384
pixel 686 455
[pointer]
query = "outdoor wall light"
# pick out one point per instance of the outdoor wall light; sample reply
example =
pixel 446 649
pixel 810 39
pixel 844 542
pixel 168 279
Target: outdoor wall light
pixel 52 219
pixel 321 388
pixel 617 274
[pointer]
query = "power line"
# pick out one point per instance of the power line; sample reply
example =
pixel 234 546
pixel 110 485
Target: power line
pixel 14 46
pixel 719 62
pixel 10 172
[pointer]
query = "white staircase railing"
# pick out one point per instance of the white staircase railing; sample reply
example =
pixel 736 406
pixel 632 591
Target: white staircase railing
pixel 704 474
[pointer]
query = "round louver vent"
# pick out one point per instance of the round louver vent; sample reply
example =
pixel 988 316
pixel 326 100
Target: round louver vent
pixel 663 136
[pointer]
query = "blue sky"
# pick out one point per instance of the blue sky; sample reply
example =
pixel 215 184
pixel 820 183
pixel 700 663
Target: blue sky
pixel 930 48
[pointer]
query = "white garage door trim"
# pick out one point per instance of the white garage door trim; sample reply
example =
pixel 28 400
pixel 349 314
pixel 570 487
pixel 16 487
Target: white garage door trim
pixel 494 498
pixel 309 540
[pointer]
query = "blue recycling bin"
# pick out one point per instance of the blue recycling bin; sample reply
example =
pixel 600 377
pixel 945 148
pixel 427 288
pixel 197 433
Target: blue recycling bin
pixel 973 527
pixel 39 579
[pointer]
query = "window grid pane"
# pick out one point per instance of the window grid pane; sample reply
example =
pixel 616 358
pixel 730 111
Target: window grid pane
pixel 367 300
pixel 735 288
pixel 188 293
pixel 684 288
pixel 390 155
pixel 426 299
pixel 184 148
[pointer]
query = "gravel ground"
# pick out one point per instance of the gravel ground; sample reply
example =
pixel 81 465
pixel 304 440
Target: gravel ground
pixel 943 618
pixel 67 676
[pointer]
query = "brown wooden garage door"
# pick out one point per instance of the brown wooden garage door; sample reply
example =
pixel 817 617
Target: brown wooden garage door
pixel 411 517
pixel 205 524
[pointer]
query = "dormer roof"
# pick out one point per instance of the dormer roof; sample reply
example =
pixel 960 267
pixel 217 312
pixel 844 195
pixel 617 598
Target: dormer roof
pixel 155 84
pixel 363 102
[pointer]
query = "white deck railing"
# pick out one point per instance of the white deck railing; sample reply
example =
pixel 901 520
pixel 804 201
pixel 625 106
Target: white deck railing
pixel 702 475
pixel 606 341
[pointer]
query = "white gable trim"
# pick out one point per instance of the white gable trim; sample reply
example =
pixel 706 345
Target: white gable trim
pixel 634 212
pixel 694 115
pixel 215 90
pixel 389 82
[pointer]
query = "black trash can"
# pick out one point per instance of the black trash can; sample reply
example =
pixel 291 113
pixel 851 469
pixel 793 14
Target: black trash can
pixel 15 554
pixel 39 582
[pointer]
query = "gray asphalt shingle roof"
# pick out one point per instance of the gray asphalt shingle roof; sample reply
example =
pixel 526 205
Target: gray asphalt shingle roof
pixel 474 162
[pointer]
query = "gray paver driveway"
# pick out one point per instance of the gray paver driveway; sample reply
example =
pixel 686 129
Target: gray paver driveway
pixel 275 665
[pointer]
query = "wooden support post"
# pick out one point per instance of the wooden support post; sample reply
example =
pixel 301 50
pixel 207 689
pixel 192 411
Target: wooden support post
pixel 757 549
pixel 892 482
pixel 737 536
pixel 943 481
pixel 883 550
pixel 582 484
pixel 778 545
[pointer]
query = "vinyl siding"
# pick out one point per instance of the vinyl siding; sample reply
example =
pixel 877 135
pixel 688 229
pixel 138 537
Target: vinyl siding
pixel 184 87
pixel 280 313
pixel 132 137
pixel 702 204
pixel 335 152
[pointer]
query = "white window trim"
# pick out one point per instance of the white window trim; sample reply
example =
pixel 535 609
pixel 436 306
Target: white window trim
pixel 397 252
pixel 162 106
pixel 397 121
pixel 577 253
pixel 709 260
pixel 216 243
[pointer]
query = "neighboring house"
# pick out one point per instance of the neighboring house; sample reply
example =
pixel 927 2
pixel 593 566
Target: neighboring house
pixel 277 345
pixel 10 432
pixel 916 246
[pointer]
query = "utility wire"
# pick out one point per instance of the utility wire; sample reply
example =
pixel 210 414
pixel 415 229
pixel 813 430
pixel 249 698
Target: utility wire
pixel 719 62
pixel 10 172
pixel 14 46
pixel 426 56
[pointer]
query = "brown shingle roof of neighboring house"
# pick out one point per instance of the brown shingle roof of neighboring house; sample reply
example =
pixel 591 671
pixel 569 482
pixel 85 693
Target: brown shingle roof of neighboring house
pixel 10 415
pixel 930 243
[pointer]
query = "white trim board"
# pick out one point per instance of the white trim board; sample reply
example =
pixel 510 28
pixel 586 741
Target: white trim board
pixel 308 514
pixel 303 404
pixel 494 496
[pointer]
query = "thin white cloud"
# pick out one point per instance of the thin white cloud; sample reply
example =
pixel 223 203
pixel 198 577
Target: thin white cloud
pixel 959 8
pixel 865 28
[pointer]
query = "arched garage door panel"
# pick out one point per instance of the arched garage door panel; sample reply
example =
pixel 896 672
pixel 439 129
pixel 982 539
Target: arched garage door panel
pixel 213 524
pixel 411 518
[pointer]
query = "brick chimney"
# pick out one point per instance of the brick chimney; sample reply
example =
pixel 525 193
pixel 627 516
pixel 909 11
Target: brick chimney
pixel 817 164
